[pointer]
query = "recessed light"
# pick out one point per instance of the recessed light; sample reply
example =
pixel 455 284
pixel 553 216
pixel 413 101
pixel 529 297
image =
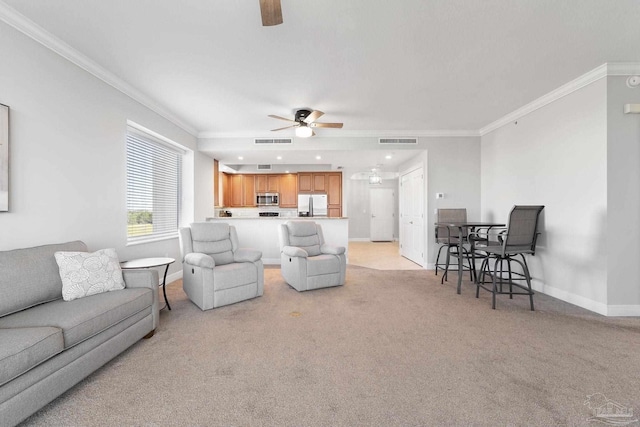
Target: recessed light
pixel 279 157
pixel 388 156
pixel 240 158
pixel 318 157
pixel 286 171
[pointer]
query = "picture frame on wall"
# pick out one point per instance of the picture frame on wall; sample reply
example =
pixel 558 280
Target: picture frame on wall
pixel 4 158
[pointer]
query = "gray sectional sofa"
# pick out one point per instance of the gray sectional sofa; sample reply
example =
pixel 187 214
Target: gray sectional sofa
pixel 47 345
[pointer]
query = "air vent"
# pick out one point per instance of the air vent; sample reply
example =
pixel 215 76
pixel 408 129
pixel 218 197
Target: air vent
pixel 396 141
pixel 264 167
pixel 273 141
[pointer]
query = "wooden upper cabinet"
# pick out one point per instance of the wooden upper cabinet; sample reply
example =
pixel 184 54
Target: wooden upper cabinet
pixel 267 183
pixel 273 183
pixel 236 192
pixel 242 190
pixel 249 190
pixel 261 183
pixel 319 183
pixel 305 182
pixel 288 191
pixel 312 182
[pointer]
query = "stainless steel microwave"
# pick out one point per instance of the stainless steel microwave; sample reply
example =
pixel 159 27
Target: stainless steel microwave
pixel 267 199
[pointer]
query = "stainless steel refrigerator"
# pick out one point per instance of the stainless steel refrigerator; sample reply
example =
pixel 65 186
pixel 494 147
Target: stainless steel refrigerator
pixel 312 205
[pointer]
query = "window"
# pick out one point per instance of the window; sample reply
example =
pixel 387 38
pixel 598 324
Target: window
pixel 154 184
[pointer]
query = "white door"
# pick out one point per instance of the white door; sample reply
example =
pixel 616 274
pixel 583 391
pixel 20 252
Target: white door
pixel 381 203
pixel 412 216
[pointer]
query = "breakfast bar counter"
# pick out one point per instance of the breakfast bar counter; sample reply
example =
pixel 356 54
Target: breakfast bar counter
pixel 262 232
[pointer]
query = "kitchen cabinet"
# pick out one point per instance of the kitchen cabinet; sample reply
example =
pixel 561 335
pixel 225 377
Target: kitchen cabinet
pixel 288 191
pixel 315 182
pixel 329 183
pixel 224 189
pixel 267 183
pixel 242 191
pixel 333 181
pixel 305 182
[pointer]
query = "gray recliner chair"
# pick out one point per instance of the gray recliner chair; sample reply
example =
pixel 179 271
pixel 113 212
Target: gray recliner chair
pixel 215 271
pixel 306 261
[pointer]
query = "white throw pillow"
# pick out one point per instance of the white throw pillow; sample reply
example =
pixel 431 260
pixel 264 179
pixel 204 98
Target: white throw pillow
pixel 85 273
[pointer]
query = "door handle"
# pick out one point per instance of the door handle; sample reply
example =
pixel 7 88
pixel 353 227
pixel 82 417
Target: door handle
pixel 410 222
pixel 373 216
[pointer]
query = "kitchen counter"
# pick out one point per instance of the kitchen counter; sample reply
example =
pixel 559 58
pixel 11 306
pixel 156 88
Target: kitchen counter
pixel 262 232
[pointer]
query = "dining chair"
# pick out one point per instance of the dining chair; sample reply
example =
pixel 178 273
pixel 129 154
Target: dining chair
pixel 512 244
pixel 449 238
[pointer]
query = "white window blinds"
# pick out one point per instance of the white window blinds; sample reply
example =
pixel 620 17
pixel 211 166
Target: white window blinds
pixel 154 183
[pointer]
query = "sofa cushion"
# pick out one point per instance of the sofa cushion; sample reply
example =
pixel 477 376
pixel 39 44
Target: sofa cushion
pixel 323 264
pixel 304 234
pixel 24 348
pixel 214 240
pixel 83 318
pixel 232 275
pixel 85 274
pixel 30 276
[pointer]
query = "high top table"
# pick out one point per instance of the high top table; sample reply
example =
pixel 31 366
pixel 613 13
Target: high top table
pixel 471 226
pixel 150 263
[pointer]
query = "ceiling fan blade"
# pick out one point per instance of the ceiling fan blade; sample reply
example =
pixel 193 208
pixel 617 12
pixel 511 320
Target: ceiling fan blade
pixel 315 115
pixel 271 12
pixel 326 125
pixel 286 127
pixel 281 118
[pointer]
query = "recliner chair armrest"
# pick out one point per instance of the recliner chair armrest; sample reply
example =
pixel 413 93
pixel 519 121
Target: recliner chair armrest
pixel 332 250
pixel 247 255
pixel 294 251
pixel 199 260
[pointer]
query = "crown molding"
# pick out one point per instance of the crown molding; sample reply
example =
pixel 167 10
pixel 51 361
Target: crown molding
pixel 352 134
pixel 604 70
pixel 21 23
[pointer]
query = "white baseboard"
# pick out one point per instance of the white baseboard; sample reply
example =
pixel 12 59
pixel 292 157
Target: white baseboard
pixel 589 304
pixel 359 239
pixel 623 310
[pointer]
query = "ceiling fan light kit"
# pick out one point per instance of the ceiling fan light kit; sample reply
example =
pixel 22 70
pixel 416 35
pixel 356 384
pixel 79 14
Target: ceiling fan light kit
pixel 305 120
pixel 304 131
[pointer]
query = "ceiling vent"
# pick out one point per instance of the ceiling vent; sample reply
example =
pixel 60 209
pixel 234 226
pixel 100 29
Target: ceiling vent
pixel 273 141
pixel 398 141
pixel 264 167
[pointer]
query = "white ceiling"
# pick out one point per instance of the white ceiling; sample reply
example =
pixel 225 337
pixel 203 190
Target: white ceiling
pixel 403 66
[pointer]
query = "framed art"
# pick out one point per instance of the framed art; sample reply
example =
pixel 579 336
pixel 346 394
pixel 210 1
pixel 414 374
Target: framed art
pixel 4 158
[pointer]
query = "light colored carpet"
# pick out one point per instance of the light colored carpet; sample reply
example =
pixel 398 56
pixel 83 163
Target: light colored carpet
pixel 389 348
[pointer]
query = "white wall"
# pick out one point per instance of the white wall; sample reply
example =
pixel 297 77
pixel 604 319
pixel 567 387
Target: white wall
pixel 67 154
pixel 557 156
pixel 452 167
pixel 623 198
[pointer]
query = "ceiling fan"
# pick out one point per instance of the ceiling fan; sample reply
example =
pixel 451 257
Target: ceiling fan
pixel 305 120
pixel 271 12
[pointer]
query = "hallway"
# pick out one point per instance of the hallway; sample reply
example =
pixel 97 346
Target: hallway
pixel 379 256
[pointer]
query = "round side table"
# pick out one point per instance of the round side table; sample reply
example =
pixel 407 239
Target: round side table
pixel 150 263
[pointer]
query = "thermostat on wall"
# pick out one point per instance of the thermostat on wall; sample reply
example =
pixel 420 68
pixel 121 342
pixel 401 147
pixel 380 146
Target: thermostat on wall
pixel 632 108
